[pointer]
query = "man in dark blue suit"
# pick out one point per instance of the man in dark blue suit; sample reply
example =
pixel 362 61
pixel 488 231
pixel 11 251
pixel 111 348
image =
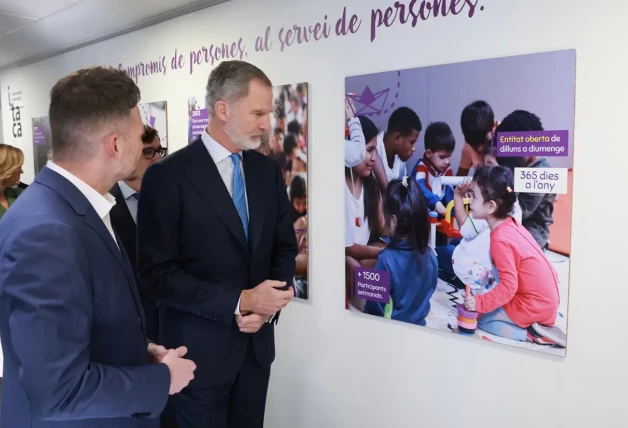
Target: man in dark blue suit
pixel 71 320
pixel 217 247
pixel 124 213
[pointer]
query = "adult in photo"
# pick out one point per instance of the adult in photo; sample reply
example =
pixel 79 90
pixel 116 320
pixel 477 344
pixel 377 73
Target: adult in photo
pixel 71 320
pixel 217 249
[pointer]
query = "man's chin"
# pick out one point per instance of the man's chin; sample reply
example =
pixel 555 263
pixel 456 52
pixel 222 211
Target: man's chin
pixel 251 144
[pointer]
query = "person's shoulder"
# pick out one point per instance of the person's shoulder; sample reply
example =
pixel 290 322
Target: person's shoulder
pixel 506 233
pixel 170 165
pixel 265 162
pixel 20 228
pixel 13 192
pixel 541 163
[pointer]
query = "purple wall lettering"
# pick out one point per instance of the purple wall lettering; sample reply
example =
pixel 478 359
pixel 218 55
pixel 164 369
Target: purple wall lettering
pixel 401 12
pixel 425 10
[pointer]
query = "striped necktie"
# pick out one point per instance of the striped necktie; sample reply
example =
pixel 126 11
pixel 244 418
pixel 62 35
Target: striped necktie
pixel 239 199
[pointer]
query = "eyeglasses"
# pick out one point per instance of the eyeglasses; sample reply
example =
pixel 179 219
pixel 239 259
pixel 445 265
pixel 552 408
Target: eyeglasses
pixel 149 152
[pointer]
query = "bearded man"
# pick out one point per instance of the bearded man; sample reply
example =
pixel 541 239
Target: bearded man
pixel 217 249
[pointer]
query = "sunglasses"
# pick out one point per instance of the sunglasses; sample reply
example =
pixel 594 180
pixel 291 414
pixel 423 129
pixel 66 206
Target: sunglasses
pixel 149 152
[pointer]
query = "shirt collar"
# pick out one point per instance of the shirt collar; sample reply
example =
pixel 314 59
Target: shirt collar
pixel 102 203
pixel 127 191
pixel 217 151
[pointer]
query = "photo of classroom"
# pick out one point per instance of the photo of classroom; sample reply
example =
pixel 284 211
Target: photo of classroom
pixel 430 201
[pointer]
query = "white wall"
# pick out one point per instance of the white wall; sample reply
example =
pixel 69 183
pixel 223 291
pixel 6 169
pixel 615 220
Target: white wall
pixel 338 369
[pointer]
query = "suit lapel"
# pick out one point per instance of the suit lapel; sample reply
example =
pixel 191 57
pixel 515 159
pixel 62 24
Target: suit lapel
pixel 83 208
pixel 205 177
pixel 124 225
pixel 254 177
pixel 96 223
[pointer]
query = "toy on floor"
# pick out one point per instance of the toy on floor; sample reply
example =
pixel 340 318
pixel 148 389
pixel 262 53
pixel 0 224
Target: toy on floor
pixel 467 320
pixel 447 225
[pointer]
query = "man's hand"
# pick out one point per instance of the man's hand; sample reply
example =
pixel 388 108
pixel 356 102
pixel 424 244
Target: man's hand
pixel 266 299
pixel 250 323
pixel 181 370
pixel 440 208
pixel 156 352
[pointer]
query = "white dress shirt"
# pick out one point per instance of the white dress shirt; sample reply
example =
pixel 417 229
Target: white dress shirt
pixel 131 202
pixel 102 203
pixel 223 162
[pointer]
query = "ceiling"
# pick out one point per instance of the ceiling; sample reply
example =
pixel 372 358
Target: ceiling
pixel 33 30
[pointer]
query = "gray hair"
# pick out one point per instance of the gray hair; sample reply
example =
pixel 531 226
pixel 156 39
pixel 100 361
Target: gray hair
pixel 230 82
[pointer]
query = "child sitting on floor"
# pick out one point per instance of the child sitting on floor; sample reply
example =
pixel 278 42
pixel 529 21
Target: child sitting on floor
pixel 412 264
pixel 471 259
pixel 526 300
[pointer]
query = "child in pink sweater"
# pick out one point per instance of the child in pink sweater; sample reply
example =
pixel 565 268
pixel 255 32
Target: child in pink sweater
pixel 524 304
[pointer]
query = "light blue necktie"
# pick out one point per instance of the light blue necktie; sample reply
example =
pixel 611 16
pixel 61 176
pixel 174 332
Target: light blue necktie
pixel 239 199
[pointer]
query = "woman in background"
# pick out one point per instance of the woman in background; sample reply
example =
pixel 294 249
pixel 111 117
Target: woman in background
pixel 11 162
pixel 363 207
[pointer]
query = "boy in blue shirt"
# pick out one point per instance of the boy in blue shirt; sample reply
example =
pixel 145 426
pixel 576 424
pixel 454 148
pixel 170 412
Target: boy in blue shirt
pixel 439 145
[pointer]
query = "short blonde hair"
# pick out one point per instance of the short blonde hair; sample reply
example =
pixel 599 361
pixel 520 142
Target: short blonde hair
pixel 11 159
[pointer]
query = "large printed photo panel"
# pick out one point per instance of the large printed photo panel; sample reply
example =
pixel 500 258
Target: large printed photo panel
pixel 458 190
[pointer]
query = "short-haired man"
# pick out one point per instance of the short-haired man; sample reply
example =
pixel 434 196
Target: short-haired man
pixel 124 213
pixel 71 320
pixel 217 248
pixel 396 145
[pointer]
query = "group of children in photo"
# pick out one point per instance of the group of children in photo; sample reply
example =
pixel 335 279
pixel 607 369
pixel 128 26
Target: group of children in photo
pixel 287 144
pixel 500 256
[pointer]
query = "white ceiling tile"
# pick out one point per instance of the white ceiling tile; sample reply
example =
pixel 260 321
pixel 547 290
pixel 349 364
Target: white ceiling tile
pixel 34 8
pixel 10 23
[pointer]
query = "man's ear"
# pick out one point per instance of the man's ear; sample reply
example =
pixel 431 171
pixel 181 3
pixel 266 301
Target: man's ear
pixel 222 110
pixel 111 142
pixel 397 136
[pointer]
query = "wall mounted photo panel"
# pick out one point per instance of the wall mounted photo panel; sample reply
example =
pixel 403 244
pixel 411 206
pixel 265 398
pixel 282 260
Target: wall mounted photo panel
pixel 458 189
pixel 42 140
pixel 155 114
pixel 288 144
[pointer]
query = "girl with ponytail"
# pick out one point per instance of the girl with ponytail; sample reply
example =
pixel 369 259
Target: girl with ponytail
pixel 412 265
pixel 524 304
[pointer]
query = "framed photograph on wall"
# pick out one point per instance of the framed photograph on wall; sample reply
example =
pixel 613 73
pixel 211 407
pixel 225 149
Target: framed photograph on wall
pixel 288 144
pixel 458 189
pixel 42 142
pixel 155 114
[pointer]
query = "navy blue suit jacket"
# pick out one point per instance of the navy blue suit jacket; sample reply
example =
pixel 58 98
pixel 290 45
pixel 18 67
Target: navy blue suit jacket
pixel 194 258
pixel 71 319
